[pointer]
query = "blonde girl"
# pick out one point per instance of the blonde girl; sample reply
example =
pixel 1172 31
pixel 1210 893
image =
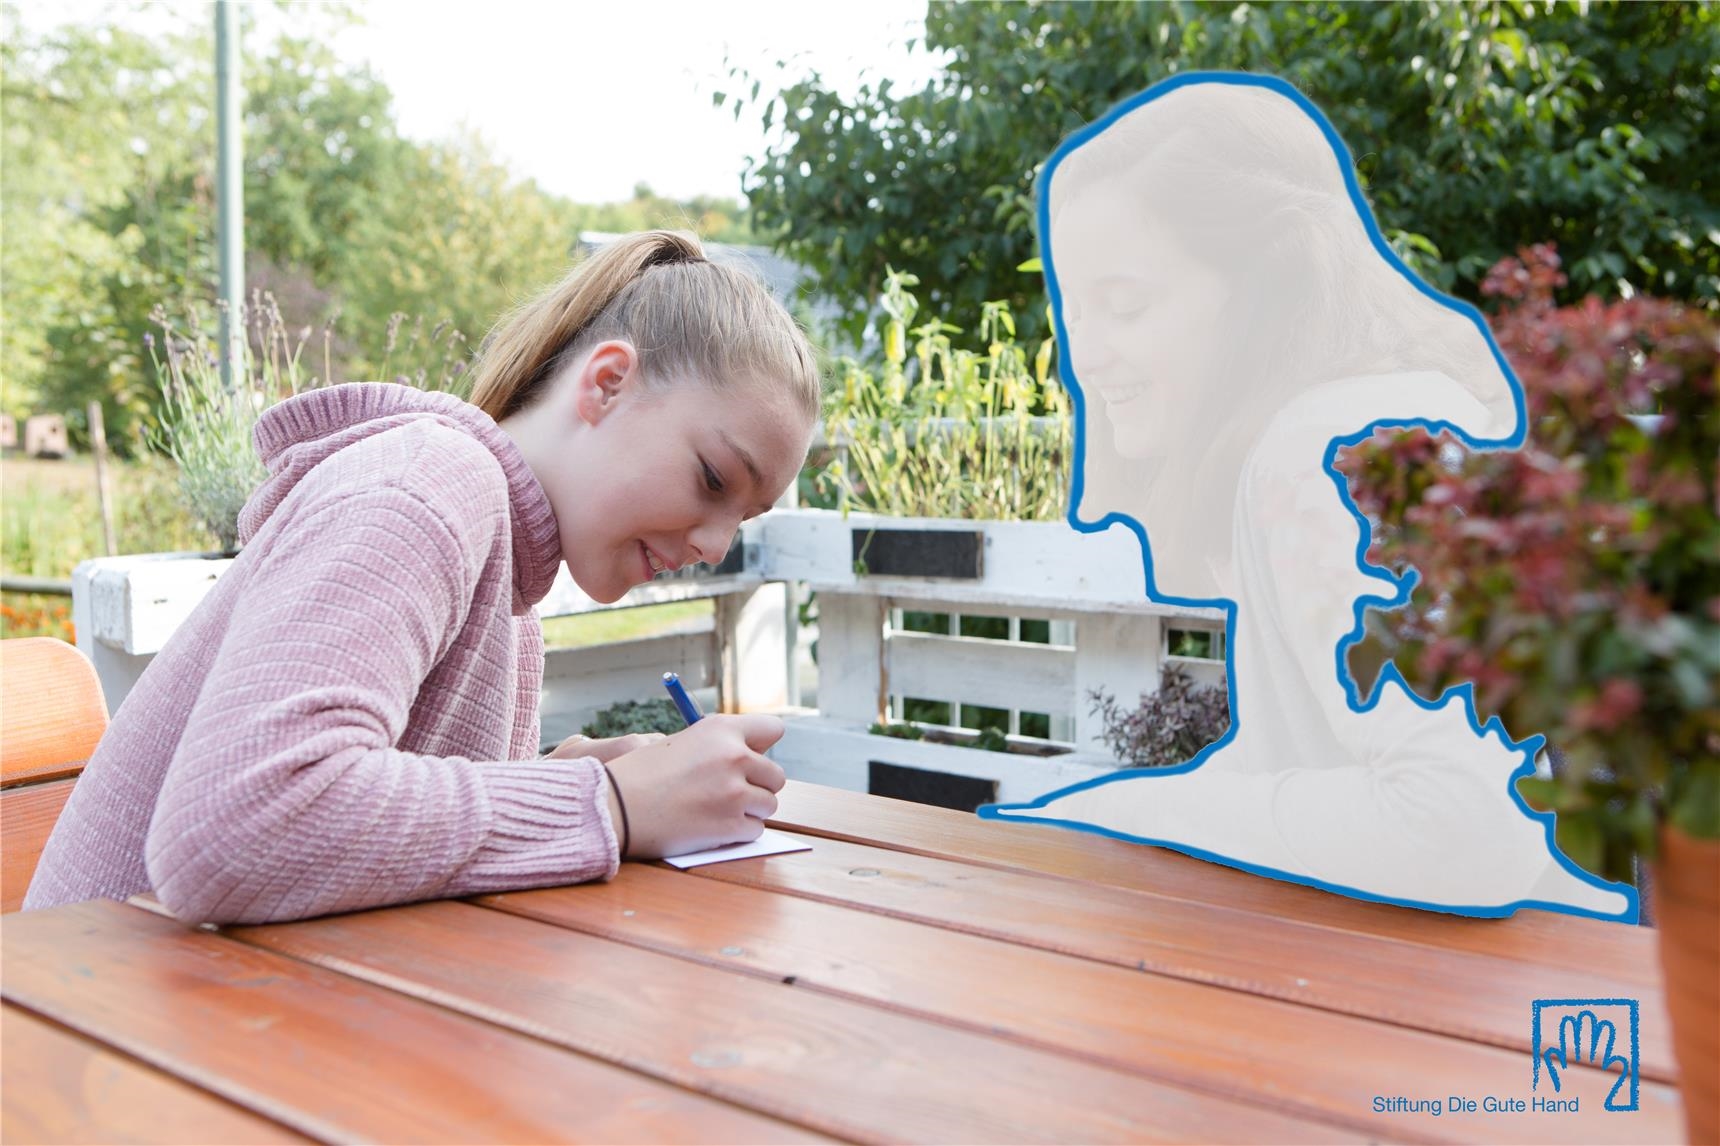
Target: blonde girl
pixel 350 718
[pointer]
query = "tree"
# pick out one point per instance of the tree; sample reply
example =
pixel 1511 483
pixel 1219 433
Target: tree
pixel 321 152
pixel 1477 128
pixel 458 240
pixel 107 160
pixel 101 128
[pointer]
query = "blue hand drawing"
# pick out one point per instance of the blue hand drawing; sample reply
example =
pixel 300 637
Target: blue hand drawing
pixel 1571 1048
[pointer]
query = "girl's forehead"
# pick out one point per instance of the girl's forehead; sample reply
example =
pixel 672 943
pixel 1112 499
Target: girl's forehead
pixel 759 419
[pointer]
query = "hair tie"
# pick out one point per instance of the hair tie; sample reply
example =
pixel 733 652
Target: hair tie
pixel 626 829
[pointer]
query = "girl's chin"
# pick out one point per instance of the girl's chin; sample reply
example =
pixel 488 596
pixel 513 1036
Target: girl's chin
pixel 605 591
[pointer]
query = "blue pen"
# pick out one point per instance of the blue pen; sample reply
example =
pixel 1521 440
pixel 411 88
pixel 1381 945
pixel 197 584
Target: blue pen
pixel 678 693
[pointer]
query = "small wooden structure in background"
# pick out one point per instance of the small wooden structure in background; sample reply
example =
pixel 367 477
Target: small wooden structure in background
pixel 45 436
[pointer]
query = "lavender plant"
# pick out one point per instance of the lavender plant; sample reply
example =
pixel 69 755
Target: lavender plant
pixel 205 422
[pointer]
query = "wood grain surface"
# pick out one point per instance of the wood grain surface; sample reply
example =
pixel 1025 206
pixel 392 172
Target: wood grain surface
pixel 842 1068
pixel 918 976
pixel 61 1087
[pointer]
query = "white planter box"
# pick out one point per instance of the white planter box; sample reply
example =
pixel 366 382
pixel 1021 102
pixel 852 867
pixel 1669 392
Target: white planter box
pixel 1028 565
pixel 125 609
pixel 839 753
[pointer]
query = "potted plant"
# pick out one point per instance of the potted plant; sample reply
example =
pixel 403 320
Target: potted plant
pixel 1576 583
pixel 1169 726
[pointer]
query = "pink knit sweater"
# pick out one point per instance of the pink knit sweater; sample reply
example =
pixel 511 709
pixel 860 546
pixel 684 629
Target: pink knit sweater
pixel 349 719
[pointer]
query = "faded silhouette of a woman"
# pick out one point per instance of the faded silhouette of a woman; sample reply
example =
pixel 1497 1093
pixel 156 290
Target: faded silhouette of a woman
pixel 1227 316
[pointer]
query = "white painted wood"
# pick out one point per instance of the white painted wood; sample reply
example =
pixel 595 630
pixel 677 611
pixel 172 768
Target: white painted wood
pixel 1200 670
pixel 970 670
pixel 579 682
pixel 1035 564
pixel 851 656
pixel 1062 620
pixel 752 636
pixel 126 608
pixel 821 750
pixel 1120 654
pixel 135 603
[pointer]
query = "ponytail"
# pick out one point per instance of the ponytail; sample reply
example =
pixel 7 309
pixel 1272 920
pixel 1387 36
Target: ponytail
pixel 683 313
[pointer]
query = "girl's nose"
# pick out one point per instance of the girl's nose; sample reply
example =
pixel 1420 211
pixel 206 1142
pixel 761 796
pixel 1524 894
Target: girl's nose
pixel 710 541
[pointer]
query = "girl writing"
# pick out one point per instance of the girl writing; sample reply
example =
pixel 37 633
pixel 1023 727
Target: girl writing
pixel 350 718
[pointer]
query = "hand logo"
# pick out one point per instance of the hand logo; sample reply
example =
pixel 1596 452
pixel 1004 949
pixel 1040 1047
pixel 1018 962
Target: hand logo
pixel 1586 1036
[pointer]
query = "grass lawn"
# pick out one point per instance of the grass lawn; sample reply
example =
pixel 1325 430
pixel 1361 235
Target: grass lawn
pixel 625 624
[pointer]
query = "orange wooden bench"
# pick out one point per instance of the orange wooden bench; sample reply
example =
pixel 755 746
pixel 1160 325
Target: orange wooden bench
pixel 52 715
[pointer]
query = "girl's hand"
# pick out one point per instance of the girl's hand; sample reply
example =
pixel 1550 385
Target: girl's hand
pixel 701 788
pixel 605 749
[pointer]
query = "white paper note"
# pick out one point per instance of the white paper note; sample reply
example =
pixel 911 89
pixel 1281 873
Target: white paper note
pixel 770 844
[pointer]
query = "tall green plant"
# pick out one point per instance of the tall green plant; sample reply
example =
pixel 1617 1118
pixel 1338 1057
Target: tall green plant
pixel 948 431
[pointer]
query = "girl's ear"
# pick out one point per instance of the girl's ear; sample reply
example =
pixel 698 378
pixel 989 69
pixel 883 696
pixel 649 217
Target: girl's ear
pixel 608 372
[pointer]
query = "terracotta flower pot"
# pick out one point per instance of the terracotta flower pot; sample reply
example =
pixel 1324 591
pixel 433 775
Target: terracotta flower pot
pixel 1687 906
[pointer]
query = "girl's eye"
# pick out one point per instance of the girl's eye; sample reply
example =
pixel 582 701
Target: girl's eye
pixel 1129 301
pixel 712 481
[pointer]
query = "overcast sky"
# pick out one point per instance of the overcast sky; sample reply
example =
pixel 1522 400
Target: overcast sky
pixel 589 97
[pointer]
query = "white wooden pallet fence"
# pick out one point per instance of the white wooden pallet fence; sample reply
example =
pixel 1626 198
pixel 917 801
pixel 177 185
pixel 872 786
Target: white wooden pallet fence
pixel 1089 586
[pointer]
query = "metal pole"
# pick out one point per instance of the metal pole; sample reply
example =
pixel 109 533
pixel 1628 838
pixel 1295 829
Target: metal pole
pixel 230 186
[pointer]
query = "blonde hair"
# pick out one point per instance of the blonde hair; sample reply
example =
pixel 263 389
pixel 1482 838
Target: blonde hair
pixel 685 315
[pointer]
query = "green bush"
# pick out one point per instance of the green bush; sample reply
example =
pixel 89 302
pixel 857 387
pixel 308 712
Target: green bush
pixel 630 716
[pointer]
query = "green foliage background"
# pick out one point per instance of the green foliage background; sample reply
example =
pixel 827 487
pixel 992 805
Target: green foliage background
pixel 107 209
pixel 1477 128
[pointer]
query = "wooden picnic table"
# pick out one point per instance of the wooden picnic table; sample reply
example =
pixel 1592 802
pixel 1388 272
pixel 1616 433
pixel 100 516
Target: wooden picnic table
pixel 920 975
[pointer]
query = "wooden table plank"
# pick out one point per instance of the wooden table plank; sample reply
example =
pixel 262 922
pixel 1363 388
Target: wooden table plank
pixel 1538 937
pixel 61 1087
pixel 1219 1041
pixel 1466 995
pixel 329 1056
pixel 848 1069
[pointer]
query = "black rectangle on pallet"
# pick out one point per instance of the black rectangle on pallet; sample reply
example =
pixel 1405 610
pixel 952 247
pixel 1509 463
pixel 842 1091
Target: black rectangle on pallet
pixel 953 553
pixel 923 786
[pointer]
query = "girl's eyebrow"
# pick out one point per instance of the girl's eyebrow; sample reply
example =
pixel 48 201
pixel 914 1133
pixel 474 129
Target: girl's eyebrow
pixel 747 461
pixel 746 458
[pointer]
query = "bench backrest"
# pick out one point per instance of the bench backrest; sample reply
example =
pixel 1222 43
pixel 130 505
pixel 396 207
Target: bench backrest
pixel 52 715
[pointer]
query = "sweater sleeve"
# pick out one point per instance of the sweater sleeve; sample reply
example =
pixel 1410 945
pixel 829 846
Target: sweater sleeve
pixel 286 797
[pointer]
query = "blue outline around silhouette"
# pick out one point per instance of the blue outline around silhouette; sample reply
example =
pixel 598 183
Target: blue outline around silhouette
pixel 1400 586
